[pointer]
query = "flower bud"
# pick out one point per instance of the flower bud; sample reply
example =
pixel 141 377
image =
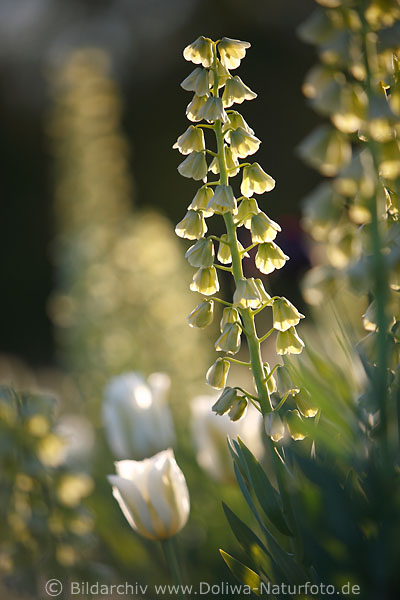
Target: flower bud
pixel 256 181
pixel 201 199
pixel 205 281
pixel 247 208
pixel 152 495
pixel 232 52
pixel 236 92
pixel 238 409
pixel 263 229
pixel 284 314
pixel 274 426
pixel 295 425
pixel 271 382
pixel 201 254
pixel 217 374
pixel 136 416
pixel 224 252
pixel 192 226
pixel 194 166
pixel 235 120
pixel 213 110
pixel 229 315
pixel 225 401
pixel 247 294
pixel 197 82
pixel 288 342
pixel 223 200
pixel 270 257
pixel 230 339
pixel 193 109
pixel 243 143
pixel 305 405
pixel 202 315
pixel 200 52
pixel 285 383
pixel 190 141
pixel 327 150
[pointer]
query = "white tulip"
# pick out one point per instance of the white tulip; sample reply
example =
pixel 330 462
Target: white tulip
pixel 152 495
pixel 136 416
pixel 210 432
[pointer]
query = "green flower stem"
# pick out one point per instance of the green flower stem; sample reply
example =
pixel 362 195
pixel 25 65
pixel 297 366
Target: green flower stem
pixel 168 547
pixel 223 268
pixel 222 301
pixel 264 337
pixel 239 362
pixel 237 270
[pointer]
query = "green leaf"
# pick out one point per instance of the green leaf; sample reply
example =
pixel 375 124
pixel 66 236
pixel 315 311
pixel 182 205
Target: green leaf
pixel 265 492
pixel 242 573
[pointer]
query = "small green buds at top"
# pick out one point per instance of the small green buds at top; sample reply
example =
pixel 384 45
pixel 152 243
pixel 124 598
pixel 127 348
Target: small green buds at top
pixel 194 108
pixel 238 409
pixel 284 314
pixel 263 229
pixel 190 141
pixel 223 200
pixel 217 374
pixel 225 401
pixel 198 82
pixel 201 200
pixel 256 181
pixel 201 254
pixel 247 208
pixel 194 166
pixel 205 281
pixel 236 92
pixel 274 426
pixel 202 315
pixel 230 338
pixel 213 110
pixel 269 257
pixel 243 143
pixel 295 425
pixel 192 226
pixel 247 294
pixel 232 52
pixel 288 342
pixel 229 315
pixel 199 52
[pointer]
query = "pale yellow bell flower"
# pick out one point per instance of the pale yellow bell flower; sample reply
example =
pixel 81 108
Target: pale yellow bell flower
pixel 295 425
pixel 202 315
pixel 288 342
pixel 247 208
pixel 274 427
pixel 247 294
pixel 284 314
pixel 243 143
pixel 327 150
pixel 230 339
pixel 213 110
pixel 201 200
pixel 225 401
pixel 223 200
pixel 194 107
pixel 217 374
pixel 201 254
pixel 235 120
pixel 232 164
pixel 205 281
pixel 236 92
pixel 232 51
pixel 192 226
pixel 238 409
pixel 198 82
pixel 263 229
pixel 256 181
pixel 194 166
pixel 152 495
pixel 192 140
pixel 270 257
pixel 200 52
pixel 229 315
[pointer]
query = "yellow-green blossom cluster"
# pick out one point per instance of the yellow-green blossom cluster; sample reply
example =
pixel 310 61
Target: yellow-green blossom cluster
pixel 216 92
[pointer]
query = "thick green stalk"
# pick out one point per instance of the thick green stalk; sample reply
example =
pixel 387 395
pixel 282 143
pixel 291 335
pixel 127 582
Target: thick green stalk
pixel 173 565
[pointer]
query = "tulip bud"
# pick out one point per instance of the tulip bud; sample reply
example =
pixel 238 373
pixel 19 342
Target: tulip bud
pixel 247 294
pixel 225 401
pixel 199 52
pixel 190 141
pixel 223 200
pixel 192 226
pixel 213 110
pixel 236 92
pixel 295 425
pixel 217 374
pixel 201 199
pixel 284 314
pixel 205 281
pixel 232 51
pixel 243 143
pixel 136 416
pixel 288 342
pixel 194 166
pixel 256 181
pixel 229 315
pixel 201 254
pixel 152 495
pixel 274 426
pixel 202 315
pixel 230 339
pixel 270 257
pixel 247 208
pixel 263 229
pixel 193 109
pixel 197 82
pixel 238 409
